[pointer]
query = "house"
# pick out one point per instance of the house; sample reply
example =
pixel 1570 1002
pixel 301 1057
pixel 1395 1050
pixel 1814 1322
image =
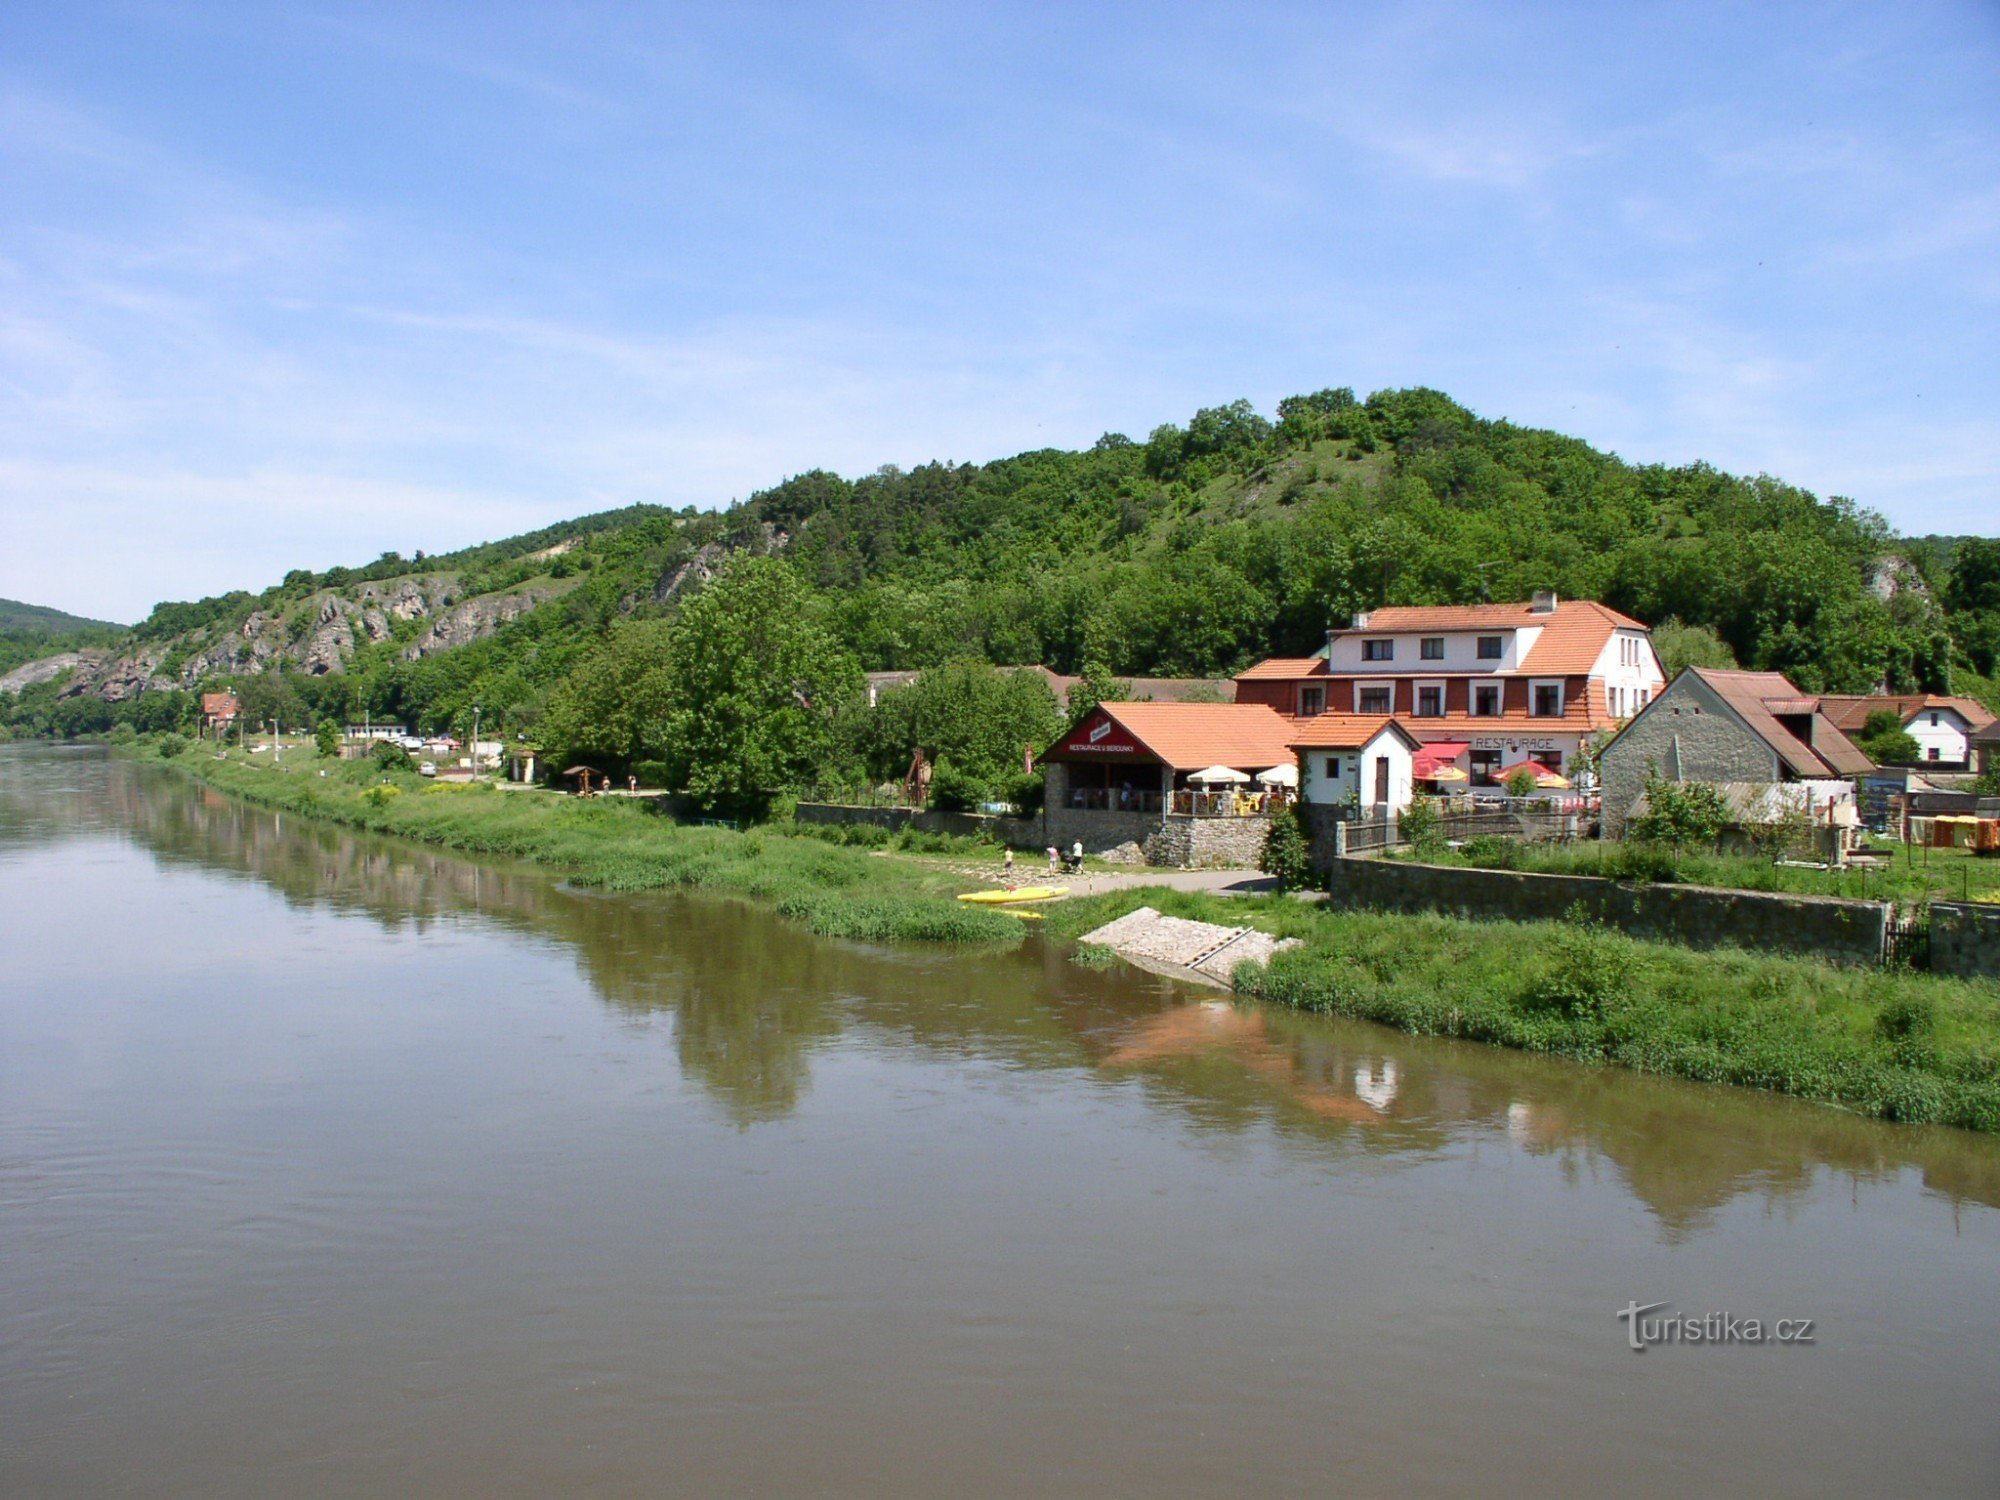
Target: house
pixel 1984 745
pixel 1724 727
pixel 1485 687
pixel 1126 775
pixel 1941 726
pixel 1358 760
pixel 219 712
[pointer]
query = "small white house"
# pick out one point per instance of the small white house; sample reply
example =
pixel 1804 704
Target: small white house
pixel 1364 760
pixel 1942 727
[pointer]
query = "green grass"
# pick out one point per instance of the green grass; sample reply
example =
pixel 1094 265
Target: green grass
pixel 620 845
pixel 1910 875
pixel 1887 1043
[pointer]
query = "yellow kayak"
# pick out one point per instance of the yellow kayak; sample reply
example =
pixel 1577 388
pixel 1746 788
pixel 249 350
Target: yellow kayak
pixel 1018 894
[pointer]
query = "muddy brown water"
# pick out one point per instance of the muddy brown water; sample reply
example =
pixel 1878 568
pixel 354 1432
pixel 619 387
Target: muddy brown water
pixel 335 1166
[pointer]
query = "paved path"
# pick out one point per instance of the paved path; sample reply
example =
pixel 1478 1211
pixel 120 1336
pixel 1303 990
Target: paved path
pixel 1096 882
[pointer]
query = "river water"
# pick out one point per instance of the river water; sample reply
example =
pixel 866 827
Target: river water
pixel 333 1166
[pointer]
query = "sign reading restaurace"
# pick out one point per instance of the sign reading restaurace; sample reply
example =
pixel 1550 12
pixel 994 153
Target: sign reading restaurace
pixel 1098 735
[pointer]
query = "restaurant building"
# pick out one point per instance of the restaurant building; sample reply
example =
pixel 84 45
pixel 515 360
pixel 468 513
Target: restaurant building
pixel 1132 774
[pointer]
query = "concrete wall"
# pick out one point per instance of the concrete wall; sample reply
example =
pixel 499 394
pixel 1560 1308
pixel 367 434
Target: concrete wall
pixel 1965 939
pixel 1850 932
pixel 1687 734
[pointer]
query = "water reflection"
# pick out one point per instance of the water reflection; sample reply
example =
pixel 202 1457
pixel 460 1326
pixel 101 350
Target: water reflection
pixel 750 1002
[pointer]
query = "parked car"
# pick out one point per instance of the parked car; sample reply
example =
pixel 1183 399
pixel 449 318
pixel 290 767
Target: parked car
pixel 427 768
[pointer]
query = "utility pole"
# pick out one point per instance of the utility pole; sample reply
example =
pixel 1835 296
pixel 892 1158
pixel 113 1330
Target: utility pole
pixel 475 739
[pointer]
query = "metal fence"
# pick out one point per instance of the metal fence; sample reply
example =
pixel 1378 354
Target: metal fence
pixel 1529 822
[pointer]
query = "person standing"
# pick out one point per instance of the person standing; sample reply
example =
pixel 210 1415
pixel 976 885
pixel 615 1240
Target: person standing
pixel 1055 860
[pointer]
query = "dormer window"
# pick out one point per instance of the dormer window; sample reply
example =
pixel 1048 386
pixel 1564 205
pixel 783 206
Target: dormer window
pixel 1378 650
pixel 1492 647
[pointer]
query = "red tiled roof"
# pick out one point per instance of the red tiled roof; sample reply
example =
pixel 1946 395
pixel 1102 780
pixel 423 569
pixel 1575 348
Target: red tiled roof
pixel 1850 711
pixel 1191 736
pixel 1343 731
pixel 218 703
pixel 1280 668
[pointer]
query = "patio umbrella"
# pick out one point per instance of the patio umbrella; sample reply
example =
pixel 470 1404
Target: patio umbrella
pixel 1285 775
pixel 1218 776
pixel 1547 780
pixel 1447 773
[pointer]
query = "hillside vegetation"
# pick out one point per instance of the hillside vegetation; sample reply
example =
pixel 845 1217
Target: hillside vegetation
pixel 1194 551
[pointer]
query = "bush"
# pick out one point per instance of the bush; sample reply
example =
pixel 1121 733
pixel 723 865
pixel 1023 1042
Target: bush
pixel 172 745
pixel 954 790
pixel 1287 853
pixel 392 757
pixel 381 796
pixel 327 738
pixel 1681 813
pixel 1521 783
pixel 1421 826
pixel 1492 851
pixel 1588 969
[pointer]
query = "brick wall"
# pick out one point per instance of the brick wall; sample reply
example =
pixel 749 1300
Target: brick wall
pixel 1965 939
pixel 1851 932
pixel 1686 726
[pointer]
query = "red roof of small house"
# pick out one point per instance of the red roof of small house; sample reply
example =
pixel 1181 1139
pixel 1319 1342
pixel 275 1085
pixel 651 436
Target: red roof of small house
pixel 1284 668
pixel 214 704
pixel 1850 712
pixel 1188 736
pixel 1346 731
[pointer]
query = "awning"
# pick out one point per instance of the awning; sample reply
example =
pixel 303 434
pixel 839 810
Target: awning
pixel 1437 754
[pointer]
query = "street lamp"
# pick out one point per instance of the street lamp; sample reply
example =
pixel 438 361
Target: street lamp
pixel 475 739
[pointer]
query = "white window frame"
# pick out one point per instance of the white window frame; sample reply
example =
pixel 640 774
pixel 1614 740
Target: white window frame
pixel 1362 685
pixel 1535 686
pixel 1499 700
pixel 1417 700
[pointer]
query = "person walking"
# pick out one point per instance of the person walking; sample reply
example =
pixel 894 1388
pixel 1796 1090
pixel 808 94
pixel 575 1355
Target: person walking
pixel 1055 860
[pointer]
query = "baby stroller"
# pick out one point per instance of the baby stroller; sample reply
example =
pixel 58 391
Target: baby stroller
pixel 1072 863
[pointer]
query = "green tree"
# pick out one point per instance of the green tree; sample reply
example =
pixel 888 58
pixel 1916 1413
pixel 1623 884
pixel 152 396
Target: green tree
pixel 1287 850
pixel 1681 646
pixel 1681 813
pixel 614 706
pixel 759 691
pixel 1096 685
pixel 327 738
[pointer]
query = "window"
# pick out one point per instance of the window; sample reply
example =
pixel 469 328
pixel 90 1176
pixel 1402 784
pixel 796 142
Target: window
pixel 1618 703
pixel 1932 753
pixel 1372 700
pixel 1547 700
pixel 1378 650
pixel 1431 648
pixel 1333 767
pixel 1934 719
pixel 1492 647
pixel 1430 701
pixel 1312 700
pixel 1486 700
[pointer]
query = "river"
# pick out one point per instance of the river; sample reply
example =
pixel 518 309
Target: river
pixel 335 1166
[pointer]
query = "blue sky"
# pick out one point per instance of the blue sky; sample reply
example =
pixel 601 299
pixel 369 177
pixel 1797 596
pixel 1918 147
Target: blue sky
pixel 293 285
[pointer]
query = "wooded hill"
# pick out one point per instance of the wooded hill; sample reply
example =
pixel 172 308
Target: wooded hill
pixel 1194 551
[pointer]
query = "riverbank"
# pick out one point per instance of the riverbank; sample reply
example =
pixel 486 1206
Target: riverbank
pixel 614 843
pixel 1885 1043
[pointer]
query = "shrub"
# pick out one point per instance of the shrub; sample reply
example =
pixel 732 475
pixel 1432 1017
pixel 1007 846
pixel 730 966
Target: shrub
pixel 392 757
pixel 1421 826
pixel 327 738
pixel 380 796
pixel 955 790
pixel 1287 855
pixel 172 745
pixel 1493 851
pixel 1588 969
pixel 1521 783
pixel 1681 813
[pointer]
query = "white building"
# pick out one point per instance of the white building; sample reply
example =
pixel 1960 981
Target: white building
pixel 1356 760
pixel 1485 687
pixel 1942 727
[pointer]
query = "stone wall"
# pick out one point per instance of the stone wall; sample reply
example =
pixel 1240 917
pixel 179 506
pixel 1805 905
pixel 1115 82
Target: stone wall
pixel 1688 734
pixel 1183 842
pixel 1965 939
pixel 1022 833
pixel 1851 932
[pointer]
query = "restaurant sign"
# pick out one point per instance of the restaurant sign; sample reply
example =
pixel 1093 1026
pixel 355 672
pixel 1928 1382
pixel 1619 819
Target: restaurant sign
pixel 1515 742
pixel 1099 736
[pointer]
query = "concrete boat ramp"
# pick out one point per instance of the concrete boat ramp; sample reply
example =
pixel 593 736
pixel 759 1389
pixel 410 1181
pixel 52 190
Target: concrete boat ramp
pixel 1202 951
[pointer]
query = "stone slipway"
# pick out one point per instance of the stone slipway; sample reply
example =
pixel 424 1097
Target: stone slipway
pixel 1202 951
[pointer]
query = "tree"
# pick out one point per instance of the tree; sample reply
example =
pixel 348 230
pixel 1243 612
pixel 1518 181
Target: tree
pixel 1682 646
pixel 1287 851
pixel 1095 686
pixel 1884 740
pixel 615 704
pixel 976 716
pixel 327 738
pixel 758 690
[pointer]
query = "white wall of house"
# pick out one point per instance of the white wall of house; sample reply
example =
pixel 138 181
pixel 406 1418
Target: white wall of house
pixel 1630 671
pixel 1333 777
pixel 1941 733
pixel 1460 648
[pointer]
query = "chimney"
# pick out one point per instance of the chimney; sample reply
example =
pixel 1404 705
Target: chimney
pixel 1544 602
pixel 1360 620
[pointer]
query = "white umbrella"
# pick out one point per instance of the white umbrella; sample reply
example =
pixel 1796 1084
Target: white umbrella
pixel 1285 775
pixel 1215 775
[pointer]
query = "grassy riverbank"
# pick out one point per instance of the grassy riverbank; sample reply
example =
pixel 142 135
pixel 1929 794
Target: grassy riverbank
pixel 1896 1045
pixel 618 844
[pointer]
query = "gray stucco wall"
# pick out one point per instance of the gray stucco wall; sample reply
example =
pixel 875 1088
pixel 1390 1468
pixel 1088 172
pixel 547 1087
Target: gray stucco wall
pixel 1850 932
pixel 1965 939
pixel 1688 733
